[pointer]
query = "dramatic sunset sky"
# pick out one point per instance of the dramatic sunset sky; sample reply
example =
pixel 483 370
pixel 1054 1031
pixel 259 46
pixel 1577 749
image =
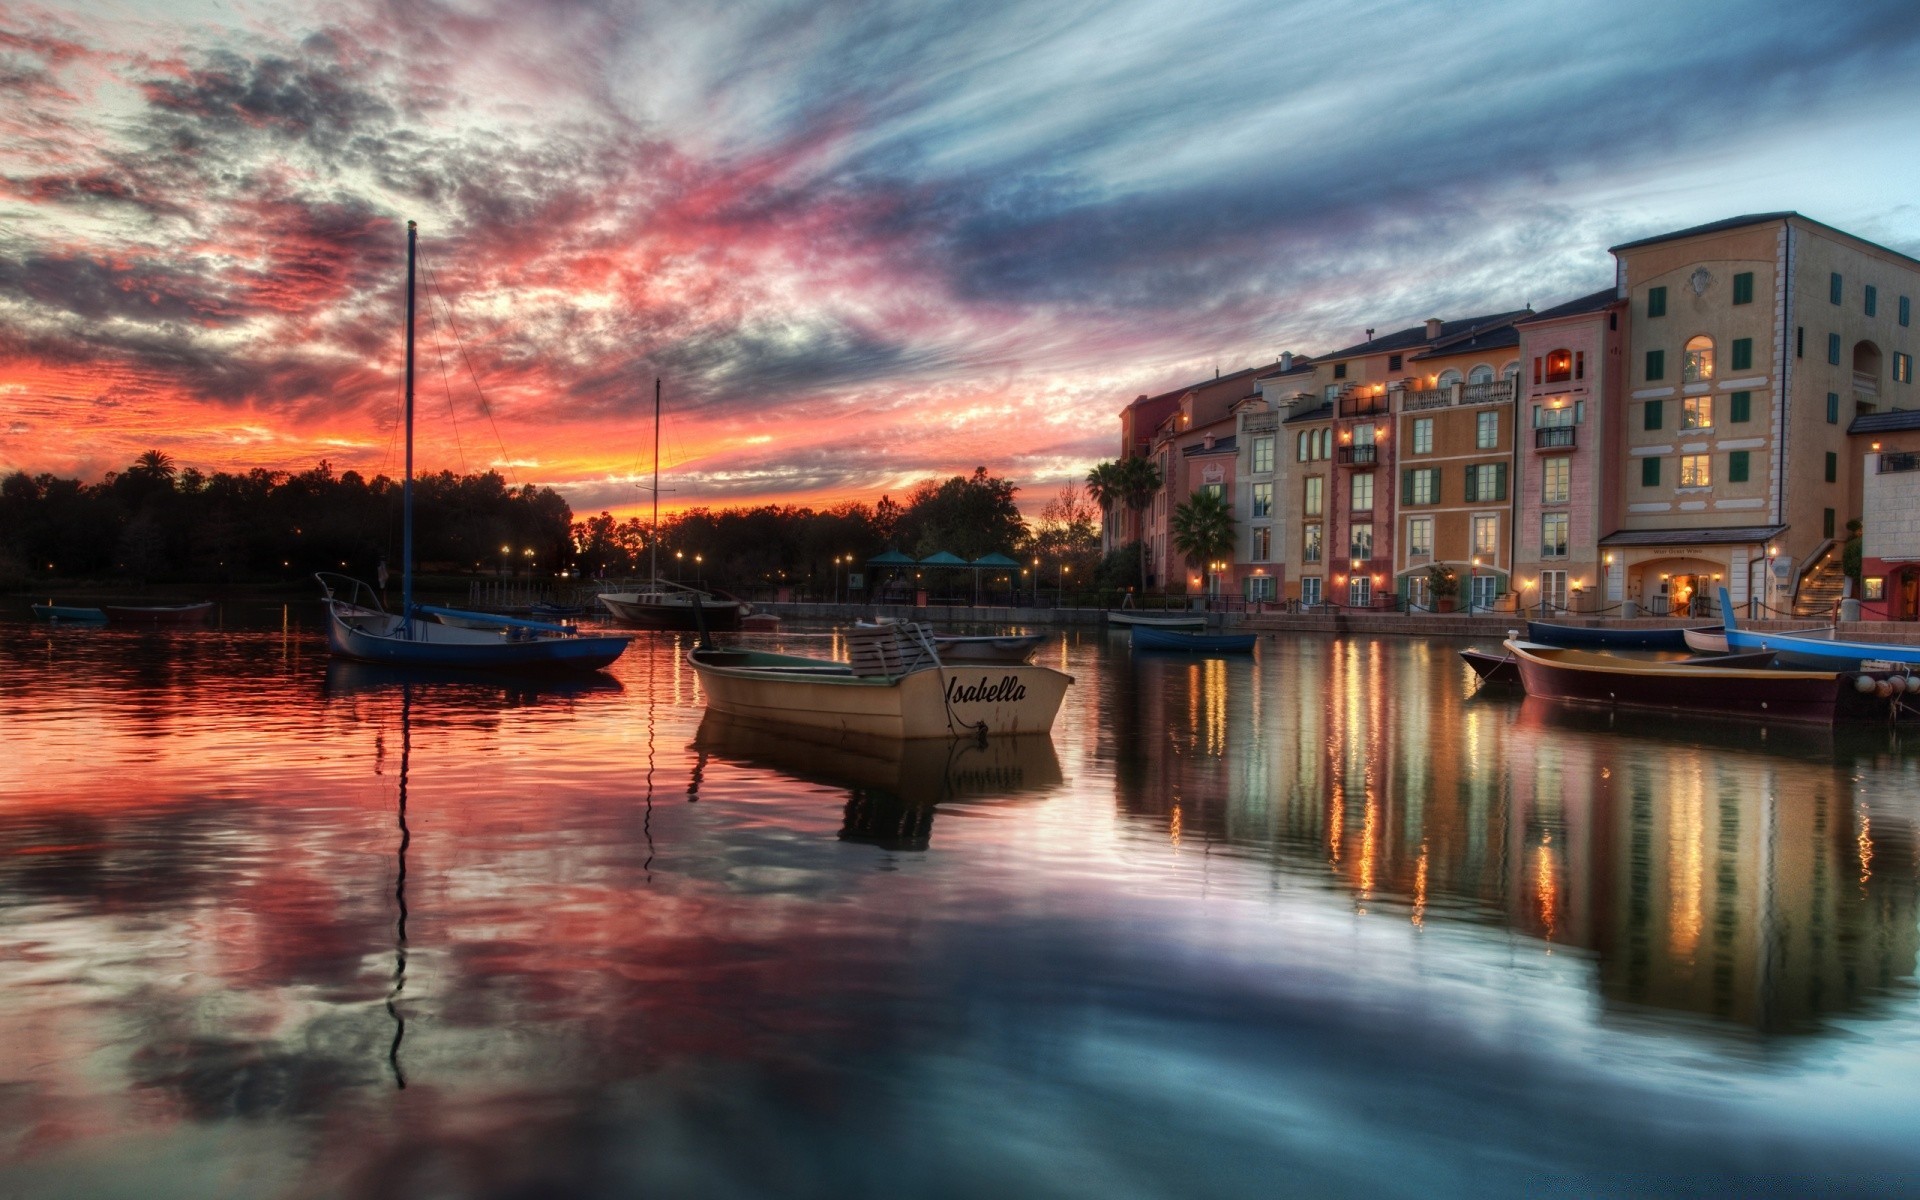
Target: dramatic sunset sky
pixel 862 242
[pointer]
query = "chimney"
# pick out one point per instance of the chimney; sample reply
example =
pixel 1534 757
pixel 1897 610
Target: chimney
pixel 1286 360
pixel 1216 372
pixel 1433 328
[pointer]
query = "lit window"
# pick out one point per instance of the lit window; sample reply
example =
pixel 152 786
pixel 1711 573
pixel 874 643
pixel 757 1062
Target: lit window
pixel 1486 536
pixel 1361 544
pixel 1263 454
pixel 1262 499
pixel 1556 480
pixel 1696 470
pixel 1487 431
pixel 1553 535
pixel 1315 499
pixel 1696 412
pixel 1902 367
pixel 1420 537
pixel 1559 366
pixel 1310 545
pixel 1362 493
pixel 1262 543
pixel 1300 444
pixel 1698 366
pixel 1486 481
pixel 1423 435
pixel 1423 486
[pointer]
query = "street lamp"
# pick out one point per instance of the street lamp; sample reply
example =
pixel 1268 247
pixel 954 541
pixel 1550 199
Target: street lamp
pixel 1036 581
pixel 1473 565
pixel 504 560
pixel 679 563
pixel 1060 592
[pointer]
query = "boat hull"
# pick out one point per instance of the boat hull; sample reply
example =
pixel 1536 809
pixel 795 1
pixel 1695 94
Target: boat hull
pixel 1546 633
pixel 1150 637
pixel 1711 640
pixel 1155 620
pixel 647 611
pixel 1492 668
pixel 68 612
pixel 1823 654
pixel 1577 677
pixel 157 614
pixel 932 703
pixel 369 637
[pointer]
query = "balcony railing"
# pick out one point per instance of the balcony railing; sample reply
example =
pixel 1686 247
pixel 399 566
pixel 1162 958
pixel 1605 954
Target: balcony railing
pixel 1369 405
pixel 1490 392
pixel 1426 398
pixel 1357 456
pixel 1555 437
pixel 1265 422
pixel 1905 461
pixel 1866 383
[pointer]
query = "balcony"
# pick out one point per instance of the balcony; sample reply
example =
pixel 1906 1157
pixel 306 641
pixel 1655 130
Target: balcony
pixel 1866 383
pixel 1366 566
pixel 1368 405
pixel 1426 398
pixel 1891 462
pixel 1555 437
pixel 1366 456
pixel 1264 422
pixel 1493 391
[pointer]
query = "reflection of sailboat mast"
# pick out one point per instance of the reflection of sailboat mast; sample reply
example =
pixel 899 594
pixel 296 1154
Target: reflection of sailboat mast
pixel 400 893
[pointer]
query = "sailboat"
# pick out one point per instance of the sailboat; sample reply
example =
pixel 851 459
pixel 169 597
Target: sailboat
pixel 358 627
pixel 660 604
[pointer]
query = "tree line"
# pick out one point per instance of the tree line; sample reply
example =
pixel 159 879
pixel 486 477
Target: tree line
pixel 156 522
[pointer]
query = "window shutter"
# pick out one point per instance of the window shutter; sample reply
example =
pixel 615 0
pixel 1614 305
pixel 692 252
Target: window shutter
pixel 1737 466
pixel 1499 481
pixel 1742 407
pixel 1649 472
pixel 1833 467
pixel 1833 408
pixel 1833 349
pixel 1656 364
pixel 1657 302
pixel 1406 486
pixel 1473 484
pixel 1651 419
pixel 1742 354
pixel 1743 288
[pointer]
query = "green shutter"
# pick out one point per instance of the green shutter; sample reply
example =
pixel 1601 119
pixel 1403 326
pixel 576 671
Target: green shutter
pixel 1742 409
pixel 1833 408
pixel 1657 302
pixel 1834 287
pixel 1743 288
pixel 1737 466
pixel 1743 354
pixel 1833 349
pixel 1826 522
pixel 1652 417
pixel 1656 364
pixel 1499 481
pixel 1649 472
pixel 1906 310
pixel 1473 485
pixel 1833 467
pixel 1872 301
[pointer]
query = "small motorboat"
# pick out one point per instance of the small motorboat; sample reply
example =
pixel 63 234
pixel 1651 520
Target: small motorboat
pixel 760 622
pixel 893 688
pixel 1011 648
pixel 1493 668
pixel 1819 649
pixel 1700 689
pixel 68 612
pixel 157 614
pixel 1711 640
pixel 1157 620
pixel 1150 637
pixel 1593 637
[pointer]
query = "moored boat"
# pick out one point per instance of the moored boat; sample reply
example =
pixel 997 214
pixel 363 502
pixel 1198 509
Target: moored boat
pixel 926 702
pixel 1492 668
pixel 1711 640
pixel 68 612
pixel 1819 649
pixel 1546 633
pixel 1149 637
pixel 1124 617
pixel 664 605
pixel 1584 677
pixel 1011 648
pixel 760 622
pixel 157 614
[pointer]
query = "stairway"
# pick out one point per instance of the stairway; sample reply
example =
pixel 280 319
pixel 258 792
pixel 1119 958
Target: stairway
pixel 1821 588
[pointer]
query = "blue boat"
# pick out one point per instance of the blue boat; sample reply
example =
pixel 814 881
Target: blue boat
pixel 1147 637
pixel 1817 649
pixel 360 628
pixel 68 612
pixel 1583 637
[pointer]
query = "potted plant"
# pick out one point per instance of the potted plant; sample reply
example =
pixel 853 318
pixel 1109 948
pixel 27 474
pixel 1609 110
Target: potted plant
pixel 1443 585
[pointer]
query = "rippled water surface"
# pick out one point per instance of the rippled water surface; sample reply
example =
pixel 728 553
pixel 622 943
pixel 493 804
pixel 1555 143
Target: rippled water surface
pixel 1320 922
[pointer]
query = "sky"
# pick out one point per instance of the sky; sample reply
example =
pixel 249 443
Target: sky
pixel 862 244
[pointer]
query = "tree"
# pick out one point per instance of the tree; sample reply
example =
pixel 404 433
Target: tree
pixel 1129 483
pixel 154 464
pixel 969 515
pixel 1203 531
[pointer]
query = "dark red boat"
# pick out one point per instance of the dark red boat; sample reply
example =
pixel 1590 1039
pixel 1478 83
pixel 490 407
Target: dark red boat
pixel 1582 677
pixel 157 614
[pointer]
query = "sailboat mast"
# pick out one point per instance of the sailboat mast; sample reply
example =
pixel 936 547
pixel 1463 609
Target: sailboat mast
pixel 655 539
pixel 406 488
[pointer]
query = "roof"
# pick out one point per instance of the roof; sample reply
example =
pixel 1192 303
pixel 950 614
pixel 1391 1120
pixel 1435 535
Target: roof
pixel 1302 365
pixel 1743 222
pixel 1896 421
pixel 891 558
pixel 1416 336
pixel 1226 445
pixel 1593 302
pixel 1500 337
pixel 1694 537
pixel 995 559
pixel 943 558
pixel 1319 412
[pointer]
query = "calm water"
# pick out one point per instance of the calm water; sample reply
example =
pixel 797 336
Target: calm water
pixel 1316 923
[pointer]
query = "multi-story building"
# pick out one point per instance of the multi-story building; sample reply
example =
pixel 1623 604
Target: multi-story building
pixel 1753 342
pixel 1194 446
pixel 1566 489
pixel 1263 507
pixel 1889 508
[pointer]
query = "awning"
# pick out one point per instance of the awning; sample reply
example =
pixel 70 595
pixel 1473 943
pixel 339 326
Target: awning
pixel 1721 536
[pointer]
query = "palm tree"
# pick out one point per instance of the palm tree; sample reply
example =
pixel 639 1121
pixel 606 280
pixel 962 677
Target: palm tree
pixel 155 464
pixel 1103 484
pixel 1203 531
pixel 1139 480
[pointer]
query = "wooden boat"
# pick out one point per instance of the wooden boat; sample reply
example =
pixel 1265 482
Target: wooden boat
pixel 927 702
pixel 1011 648
pixel 1818 649
pixel 157 614
pixel 664 605
pixel 1545 633
pixel 359 627
pixel 1151 637
pixel 1711 640
pixel 1493 668
pixel 1502 668
pixel 67 612
pixel 1124 617
pixel 1584 677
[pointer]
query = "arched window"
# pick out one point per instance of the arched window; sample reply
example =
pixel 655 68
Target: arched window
pixel 1326 444
pixel 1448 378
pixel 1302 445
pixel 1511 371
pixel 1480 374
pixel 1699 363
pixel 1559 366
